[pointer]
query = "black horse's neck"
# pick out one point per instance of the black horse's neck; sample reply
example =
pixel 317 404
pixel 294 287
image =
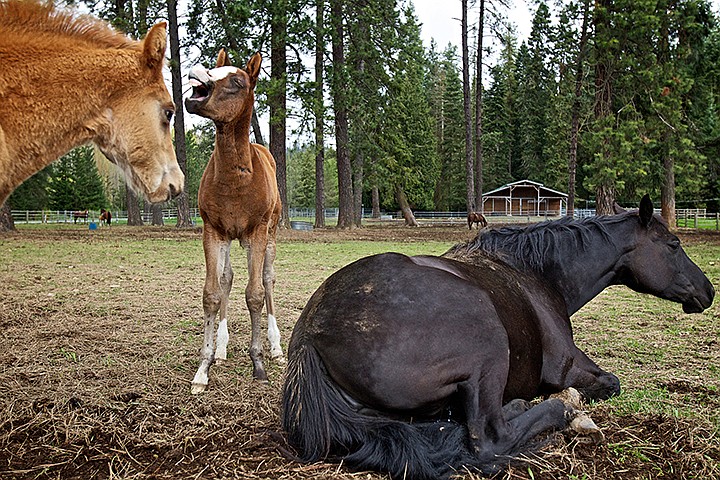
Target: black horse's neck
pixel 579 258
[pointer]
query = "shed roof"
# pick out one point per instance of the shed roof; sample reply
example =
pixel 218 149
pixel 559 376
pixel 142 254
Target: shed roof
pixel 526 183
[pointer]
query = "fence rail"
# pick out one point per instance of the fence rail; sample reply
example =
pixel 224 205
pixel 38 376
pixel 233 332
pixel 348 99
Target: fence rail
pixel 697 218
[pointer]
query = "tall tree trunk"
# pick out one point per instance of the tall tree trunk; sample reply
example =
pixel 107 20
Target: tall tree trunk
pixel 183 205
pixel 405 207
pixel 342 141
pixel 667 189
pixel 277 98
pixel 479 111
pixel 157 215
pixel 575 119
pixel 604 191
pixel 319 115
pixel 257 132
pixel 358 167
pixel 375 201
pixel 6 221
pixel 469 166
pixel 133 208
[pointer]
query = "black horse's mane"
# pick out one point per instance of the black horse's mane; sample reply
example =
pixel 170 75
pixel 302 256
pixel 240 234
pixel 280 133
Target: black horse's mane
pixel 532 246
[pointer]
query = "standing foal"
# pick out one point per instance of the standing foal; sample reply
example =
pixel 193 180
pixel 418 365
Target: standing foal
pixel 238 199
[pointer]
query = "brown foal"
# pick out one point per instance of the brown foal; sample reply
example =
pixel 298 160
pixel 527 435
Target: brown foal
pixel 238 199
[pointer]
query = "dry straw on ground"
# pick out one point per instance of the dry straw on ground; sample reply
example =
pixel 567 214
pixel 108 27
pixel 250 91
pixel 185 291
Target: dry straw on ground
pixel 99 343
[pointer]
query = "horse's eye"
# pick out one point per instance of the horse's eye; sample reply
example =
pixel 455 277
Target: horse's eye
pixel 674 243
pixel 169 114
pixel 238 82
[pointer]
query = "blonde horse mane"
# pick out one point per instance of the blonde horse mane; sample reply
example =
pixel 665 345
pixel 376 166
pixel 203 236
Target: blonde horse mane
pixel 38 19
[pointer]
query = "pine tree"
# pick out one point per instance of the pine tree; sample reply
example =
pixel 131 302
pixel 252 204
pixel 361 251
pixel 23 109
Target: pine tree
pixel 408 139
pixel 446 104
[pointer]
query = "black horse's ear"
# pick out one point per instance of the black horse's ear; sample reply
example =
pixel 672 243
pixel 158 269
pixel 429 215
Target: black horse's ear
pixel 618 209
pixel 646 210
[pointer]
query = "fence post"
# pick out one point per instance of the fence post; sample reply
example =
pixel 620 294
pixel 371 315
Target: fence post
pixel 717 220
pixel 696 219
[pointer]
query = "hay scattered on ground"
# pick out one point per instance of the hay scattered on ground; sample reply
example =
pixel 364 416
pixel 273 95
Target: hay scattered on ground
pixel 96 360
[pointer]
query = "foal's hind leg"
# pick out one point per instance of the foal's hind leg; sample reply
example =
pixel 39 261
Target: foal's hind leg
pixel 217 254
pixel 269 283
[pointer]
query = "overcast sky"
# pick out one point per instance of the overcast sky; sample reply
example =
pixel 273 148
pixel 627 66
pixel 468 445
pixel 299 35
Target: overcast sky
pixel 441 20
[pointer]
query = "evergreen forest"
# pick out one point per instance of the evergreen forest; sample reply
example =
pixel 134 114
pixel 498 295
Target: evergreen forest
pixel 604 100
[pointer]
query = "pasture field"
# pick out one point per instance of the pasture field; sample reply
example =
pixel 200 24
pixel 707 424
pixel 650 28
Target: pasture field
pixel 101 332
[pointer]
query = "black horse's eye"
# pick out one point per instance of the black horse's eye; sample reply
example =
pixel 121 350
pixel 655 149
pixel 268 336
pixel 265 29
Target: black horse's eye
pixel 674 243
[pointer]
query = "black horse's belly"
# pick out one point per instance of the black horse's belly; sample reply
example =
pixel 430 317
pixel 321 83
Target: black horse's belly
pixel 400 334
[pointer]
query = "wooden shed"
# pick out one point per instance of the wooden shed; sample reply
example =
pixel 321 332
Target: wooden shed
pixel 524 197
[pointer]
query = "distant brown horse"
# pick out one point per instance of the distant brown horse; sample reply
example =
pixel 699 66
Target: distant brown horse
pixel 81 214
pixel 68 79
pixel 105 216
pixel 238 199
pixel 476 218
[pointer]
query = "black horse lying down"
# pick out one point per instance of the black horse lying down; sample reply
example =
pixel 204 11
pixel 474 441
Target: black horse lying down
pixel 409 364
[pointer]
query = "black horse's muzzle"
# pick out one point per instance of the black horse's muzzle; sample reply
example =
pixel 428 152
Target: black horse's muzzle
pixel 700 302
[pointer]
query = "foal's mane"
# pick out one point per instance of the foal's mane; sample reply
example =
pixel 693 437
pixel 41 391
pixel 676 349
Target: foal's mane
pixel 534 245
pixel 42 19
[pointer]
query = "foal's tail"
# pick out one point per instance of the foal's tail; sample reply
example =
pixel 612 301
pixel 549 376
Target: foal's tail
pixel 322 424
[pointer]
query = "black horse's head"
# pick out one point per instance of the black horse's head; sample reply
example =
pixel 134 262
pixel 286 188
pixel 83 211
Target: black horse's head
pixel 658 265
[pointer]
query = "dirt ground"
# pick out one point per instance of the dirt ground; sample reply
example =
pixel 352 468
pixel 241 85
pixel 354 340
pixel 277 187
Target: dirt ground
pixel 96 359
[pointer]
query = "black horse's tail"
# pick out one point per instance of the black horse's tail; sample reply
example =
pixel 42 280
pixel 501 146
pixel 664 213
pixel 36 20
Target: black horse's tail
pixel 322 423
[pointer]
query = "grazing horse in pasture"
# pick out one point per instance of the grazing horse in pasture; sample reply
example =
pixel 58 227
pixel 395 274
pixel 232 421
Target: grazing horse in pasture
pixel 81 214
pixel 68 79
pixel 105 216
pixel 478 219
pixel 238 199
pixel 421 366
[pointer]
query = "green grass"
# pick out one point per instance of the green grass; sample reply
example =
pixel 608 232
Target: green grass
pixel 137 295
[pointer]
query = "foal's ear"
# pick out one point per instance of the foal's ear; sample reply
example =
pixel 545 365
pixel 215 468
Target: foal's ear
pixel 154 47
pixel 253 67
pixel 618 209
pixel 223 59
pixel 646 210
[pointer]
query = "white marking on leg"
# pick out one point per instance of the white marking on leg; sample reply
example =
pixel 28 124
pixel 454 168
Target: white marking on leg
pixel 274 337
pixel 199 383
pixel 223 336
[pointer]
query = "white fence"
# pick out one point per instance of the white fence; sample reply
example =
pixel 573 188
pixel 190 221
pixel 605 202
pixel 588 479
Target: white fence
pixel 68 216
pixel 685 217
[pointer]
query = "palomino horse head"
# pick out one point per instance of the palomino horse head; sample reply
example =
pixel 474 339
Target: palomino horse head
pixel 658 265
pixel 68 79
pixel 134 130
pixel 225 93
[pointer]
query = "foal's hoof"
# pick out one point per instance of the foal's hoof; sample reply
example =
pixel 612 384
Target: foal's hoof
pixel 197 388
pixel 260 376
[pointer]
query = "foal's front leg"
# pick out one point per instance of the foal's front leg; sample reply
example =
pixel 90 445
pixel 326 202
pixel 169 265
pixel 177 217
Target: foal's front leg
pixel 218 279
pixel 255 298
